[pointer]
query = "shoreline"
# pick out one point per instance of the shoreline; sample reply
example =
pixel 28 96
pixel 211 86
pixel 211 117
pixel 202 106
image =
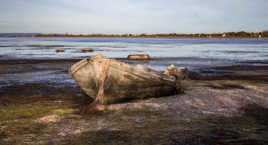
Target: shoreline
pixel 188 37
pixel 41 104
pixel 259 67
pixel 239 34
pixel 42 71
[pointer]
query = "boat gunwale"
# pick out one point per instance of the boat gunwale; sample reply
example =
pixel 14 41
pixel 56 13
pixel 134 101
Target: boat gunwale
pixel 145 75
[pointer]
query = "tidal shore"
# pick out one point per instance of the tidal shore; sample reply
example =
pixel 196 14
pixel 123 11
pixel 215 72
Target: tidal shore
pixel 41 104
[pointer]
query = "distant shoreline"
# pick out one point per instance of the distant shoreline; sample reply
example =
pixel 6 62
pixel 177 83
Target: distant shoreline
pixel 135 37
pixel 241 34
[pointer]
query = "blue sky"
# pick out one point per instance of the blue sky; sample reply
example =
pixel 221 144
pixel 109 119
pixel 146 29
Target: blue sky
pixel 132 16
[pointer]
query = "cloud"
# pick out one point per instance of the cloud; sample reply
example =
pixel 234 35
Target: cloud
pixel 133 16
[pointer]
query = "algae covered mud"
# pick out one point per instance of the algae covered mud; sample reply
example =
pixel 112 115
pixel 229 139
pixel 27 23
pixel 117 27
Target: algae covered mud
pixel 225 100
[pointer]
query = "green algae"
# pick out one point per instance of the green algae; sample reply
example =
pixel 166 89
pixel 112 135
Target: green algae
pixel 24 111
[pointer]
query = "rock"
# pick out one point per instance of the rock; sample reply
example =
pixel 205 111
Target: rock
pixel 59 50
pixel 49 118
pixel 87 50
pixel 139 57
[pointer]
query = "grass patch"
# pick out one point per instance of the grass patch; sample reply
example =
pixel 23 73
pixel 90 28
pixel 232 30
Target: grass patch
pixel 24 111
pixel 32 111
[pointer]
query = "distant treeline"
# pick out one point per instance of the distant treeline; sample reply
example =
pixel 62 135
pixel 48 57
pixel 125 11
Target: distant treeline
pixel 241 34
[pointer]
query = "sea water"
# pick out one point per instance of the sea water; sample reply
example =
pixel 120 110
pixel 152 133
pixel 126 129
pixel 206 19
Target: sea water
pixel 191 53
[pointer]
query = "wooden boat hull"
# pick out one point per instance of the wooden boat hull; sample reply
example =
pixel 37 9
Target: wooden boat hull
pixel 110 81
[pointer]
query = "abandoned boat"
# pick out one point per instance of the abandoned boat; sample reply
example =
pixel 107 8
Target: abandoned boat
pixel 110 81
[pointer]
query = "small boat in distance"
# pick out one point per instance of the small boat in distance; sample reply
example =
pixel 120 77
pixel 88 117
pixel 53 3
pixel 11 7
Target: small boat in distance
pixel 110 81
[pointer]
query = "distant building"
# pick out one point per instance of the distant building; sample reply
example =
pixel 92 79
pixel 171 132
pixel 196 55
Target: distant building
pixel 260 36
pixel 223 35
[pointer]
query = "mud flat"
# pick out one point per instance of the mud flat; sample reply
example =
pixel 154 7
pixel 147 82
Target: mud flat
pixel 41 104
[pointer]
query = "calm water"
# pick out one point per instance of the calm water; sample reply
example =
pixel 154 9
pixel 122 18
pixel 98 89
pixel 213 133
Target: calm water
pixel 191 53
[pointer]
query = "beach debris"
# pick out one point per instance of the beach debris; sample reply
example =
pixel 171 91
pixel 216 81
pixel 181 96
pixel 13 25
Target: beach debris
pixel 50 118
pixel 59 50
pixel 138 57
pixel 110 81
pixel 87 50
pixel 179 74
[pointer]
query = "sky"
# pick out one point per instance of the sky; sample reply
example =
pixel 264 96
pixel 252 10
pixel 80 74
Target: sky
pixel 132 16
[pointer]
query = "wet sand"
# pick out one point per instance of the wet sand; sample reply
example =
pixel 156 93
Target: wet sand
pixel 41 104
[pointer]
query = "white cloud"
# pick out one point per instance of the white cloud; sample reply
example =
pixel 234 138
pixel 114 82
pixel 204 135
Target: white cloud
pixel 133 16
